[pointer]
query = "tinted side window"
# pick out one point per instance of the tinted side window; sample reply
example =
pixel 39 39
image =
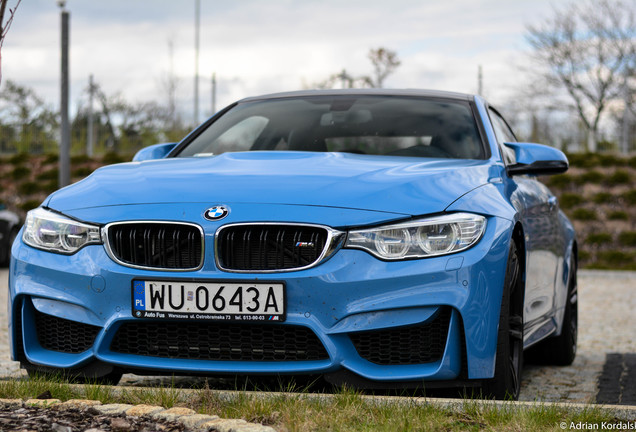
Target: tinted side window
pixel 504 134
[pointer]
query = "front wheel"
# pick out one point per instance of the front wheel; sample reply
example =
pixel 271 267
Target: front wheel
pixel 506 383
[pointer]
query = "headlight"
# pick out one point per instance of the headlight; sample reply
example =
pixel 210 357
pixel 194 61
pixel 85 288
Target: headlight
pixel 420 238
pixel 53 232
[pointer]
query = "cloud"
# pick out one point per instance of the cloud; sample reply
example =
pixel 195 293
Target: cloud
pixel 259 47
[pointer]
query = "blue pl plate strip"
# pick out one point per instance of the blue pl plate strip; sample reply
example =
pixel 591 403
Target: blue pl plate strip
pixel 139 295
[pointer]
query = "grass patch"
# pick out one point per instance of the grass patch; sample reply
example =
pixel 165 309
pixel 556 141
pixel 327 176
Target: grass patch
pixel 166 397
pixel 80 159
pixel 569 200
pixel 57 386
pixel 50 186
pixel 630 197
pixel 113 158
pixel 618 177
pixel 19 158
pixel 81 171
pixel 20 172
pixel 51 174
pixel 618 215
pixel 583 160
pixel 51 158
pixel 103 393
pixel 30 205
pixel 599 238
pixel 346 410
pixel 29 188
pixel 609 160
pixel 584 214
pixel 627 238
pixel 616 259
pixel 560 181
pixel 603 198
pixel 584 256
pixel 592 176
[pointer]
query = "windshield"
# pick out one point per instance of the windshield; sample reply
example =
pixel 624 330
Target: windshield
pixel 376 125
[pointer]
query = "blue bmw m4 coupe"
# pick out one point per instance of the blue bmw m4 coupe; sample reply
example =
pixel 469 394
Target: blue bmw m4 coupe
pixel 376 238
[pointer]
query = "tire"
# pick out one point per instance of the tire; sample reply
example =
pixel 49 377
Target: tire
pixel 506 383
pixel 561 350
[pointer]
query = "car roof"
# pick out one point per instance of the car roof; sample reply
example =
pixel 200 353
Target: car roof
pixel 364 92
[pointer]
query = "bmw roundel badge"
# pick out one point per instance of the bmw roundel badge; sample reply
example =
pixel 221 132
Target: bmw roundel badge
pixel 216 213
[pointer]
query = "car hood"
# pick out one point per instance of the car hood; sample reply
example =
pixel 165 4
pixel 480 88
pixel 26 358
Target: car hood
pixel 408 186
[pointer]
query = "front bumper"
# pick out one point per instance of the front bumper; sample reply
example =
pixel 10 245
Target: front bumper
pixel 350 298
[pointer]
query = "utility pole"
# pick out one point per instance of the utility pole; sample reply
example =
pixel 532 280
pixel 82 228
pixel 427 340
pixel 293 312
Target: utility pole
pixel 197 19
pixel 213 93
pixel 345 79
pixel 480 82
pixel 65 135
pixel 89 138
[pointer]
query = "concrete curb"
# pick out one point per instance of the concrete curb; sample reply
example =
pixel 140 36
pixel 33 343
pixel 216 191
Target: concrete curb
pixel 621 412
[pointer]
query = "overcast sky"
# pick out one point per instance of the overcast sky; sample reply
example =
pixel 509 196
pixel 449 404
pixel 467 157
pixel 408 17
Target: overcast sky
pixel 264 46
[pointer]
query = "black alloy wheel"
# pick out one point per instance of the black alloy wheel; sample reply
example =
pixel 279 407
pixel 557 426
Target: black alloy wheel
pixel 506 383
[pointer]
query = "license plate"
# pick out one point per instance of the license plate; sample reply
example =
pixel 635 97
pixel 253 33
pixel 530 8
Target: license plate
pixel 209 300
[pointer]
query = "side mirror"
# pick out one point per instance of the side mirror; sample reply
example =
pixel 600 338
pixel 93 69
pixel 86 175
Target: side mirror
pixel 156 151
pixel 537 159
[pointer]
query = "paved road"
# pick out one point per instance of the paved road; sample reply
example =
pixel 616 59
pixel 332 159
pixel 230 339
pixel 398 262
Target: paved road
pixel 604 369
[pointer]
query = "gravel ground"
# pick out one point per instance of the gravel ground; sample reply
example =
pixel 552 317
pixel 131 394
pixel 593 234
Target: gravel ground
pixel 607 301
pixel 606 327
pixel 31 418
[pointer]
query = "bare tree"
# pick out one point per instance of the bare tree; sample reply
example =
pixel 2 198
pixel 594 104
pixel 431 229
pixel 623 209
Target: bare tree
pixel 130 126
pixel 384 63
pixel 588 49
pixel 5 25
pixel 344 79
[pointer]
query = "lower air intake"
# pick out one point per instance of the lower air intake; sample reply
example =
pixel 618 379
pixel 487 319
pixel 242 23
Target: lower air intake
pixel 62 335
pixel 423 343
pixel 218 341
